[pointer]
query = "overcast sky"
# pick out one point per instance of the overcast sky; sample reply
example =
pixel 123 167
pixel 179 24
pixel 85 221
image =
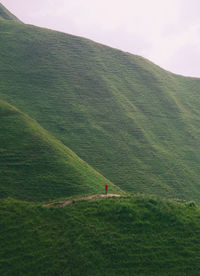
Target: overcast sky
pixel 166 32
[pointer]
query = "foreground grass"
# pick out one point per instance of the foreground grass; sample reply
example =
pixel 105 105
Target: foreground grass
pixel 132 235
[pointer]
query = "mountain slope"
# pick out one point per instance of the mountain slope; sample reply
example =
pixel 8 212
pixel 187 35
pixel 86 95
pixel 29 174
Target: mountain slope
pixel 129 119
pixel 35 166
pixel 124 236
pixel 7 15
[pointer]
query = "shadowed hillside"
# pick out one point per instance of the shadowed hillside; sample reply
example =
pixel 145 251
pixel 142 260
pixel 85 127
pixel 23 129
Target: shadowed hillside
pixel 35 166
pixel 135 123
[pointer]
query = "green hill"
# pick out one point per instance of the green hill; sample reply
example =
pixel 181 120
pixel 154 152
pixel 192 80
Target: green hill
pixel 130 120
pixel 119 236
pixel 35 166
pixel 7 15
pixel 65 99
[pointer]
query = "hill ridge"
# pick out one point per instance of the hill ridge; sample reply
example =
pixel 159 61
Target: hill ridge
pixel 7 15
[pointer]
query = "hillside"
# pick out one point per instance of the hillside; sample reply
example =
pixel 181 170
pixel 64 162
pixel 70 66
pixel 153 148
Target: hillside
pixel 119 236
pixel 7 15
pixel 35 166
pixel 130 120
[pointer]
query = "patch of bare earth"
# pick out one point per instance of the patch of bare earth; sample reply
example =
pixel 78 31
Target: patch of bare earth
pixel 71 201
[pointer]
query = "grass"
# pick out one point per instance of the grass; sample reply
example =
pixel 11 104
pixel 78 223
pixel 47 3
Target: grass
pixel 130 120
pixel 133 122
pixel 35 166
pixel 134 235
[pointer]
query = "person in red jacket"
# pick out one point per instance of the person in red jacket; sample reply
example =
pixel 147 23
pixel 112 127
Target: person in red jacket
pixel 106 189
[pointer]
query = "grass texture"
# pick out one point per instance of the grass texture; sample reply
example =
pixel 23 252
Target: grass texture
pixel 132 235
pixel 35 166
pixel 135 123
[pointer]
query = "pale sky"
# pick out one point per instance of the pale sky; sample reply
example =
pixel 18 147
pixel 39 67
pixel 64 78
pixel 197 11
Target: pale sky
pixel 167 32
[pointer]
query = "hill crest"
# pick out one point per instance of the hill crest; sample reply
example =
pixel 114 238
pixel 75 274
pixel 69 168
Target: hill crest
pixel 7 15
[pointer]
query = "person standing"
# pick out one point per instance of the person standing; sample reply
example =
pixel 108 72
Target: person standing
pixel 106 189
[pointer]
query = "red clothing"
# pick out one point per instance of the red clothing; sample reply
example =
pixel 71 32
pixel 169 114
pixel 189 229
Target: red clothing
pixel 106 187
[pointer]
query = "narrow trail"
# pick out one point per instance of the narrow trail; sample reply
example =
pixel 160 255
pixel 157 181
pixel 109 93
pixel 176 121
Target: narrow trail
pixel 71 201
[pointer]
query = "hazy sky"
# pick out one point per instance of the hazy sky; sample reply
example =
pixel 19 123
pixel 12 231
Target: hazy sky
pixel 166 32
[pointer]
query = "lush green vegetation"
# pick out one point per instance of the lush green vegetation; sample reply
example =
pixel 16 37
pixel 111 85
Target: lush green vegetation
pixel 35 166
pixel 118 236
pixel 135 123
pixel 129 119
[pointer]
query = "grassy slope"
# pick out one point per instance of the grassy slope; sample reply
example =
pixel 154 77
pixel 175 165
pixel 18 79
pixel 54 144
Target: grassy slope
pixel 132 121
pixel 35 166
pixel 126 236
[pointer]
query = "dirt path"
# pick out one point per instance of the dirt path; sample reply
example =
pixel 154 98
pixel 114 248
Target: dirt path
pixel 71 201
